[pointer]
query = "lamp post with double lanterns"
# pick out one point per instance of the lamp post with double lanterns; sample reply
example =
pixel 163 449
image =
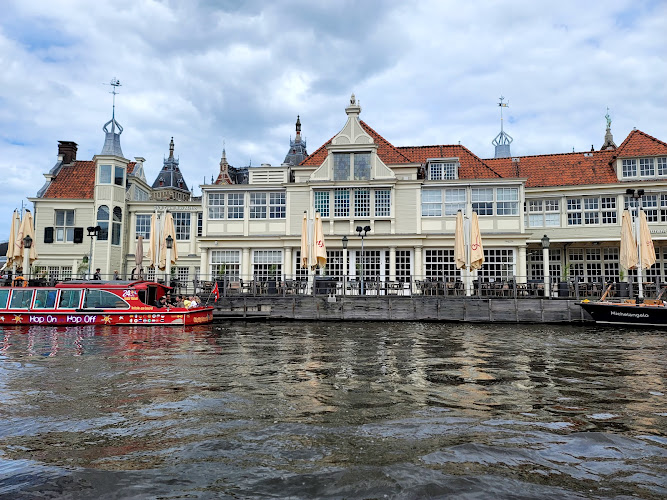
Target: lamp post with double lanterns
pixel 93 232
pixel 170 244
pixel 27 245
pixel 637 196
pixel 545 261
pixel 365 230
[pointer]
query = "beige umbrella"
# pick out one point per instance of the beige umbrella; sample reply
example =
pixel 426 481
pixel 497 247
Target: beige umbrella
pixel 320 250
pixel 459 243
pixel 168 230
pixel 152 242
pixel 12 257
pixel 628 257
pixel 139 257
pixel 26 229
pixel 646 242
pixel 476 249
pixel 304 241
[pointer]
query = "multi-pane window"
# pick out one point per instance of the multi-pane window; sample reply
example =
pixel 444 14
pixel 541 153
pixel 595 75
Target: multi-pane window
pixel 183 274
pixel 610 257
pixel 442 171
pixel 650 207
pixel 629 168
pixel 182 225
pixel 482 201
pixel 455 200
pixel 216 206
pixel 116 225
pixel 335 267
pixel 663 208
pixel 573 211
pixel 140 194
pixel 439 265
pixel 322 202
pixel 608 204
pixel 498 265
pixel 382 203
pixel 64 226
pixel 143 227
pixel 267 264
pixel 258 205
pixel 368 264
pixel 235 206
pixel 341 203
pixel 362 203
pixel 542 213
pixel 536 265
pixel 277 205
pixel 646 167
pixel 662 166
pixel 431 202
pixel 225 263
pixel 301 273
pixel 200 223
pixel 103 222
pixel 576 263
pixel 591 211
pixel 341 167
pixel 507 201
pixel 403 265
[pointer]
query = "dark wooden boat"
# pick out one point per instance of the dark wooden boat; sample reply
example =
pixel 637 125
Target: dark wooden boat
pixel 629 312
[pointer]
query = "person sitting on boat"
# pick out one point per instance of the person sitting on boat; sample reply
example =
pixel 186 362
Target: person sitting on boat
pixel 193 302
pixel 97 275
pixel 179 301
pixel 186 303
pixel 116 276
pixel 161 302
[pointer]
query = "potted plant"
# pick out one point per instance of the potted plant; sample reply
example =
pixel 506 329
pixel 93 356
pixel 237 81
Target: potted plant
pixel 564 285
pixel 82 268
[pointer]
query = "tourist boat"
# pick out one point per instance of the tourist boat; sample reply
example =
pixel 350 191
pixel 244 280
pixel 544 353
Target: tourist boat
pixel 648 312
pixel 94 303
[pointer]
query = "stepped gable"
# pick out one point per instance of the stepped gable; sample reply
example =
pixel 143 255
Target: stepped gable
pixel 565 169
pixel 638 143
pixel 388 153
pixel 471 166
pixel 76 181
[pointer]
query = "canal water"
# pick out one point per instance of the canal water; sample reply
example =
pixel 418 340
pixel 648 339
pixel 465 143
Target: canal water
pixel 333 410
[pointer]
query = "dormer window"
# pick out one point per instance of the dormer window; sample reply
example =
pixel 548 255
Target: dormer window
pixel 643 167
pixel 443 170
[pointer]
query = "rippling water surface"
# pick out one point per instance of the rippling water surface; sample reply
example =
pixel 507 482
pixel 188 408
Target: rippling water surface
pixel 335 410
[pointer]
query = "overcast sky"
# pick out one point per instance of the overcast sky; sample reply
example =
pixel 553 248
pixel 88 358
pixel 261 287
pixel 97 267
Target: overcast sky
pixel 239 72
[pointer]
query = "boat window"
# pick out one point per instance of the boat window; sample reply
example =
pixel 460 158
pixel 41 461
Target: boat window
pixel 21 299
pixel 104 300
pixel 69 299
pixel 45 299
pixel 4 294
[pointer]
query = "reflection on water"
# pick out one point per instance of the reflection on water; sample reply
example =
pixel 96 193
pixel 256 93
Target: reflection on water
pixel 335 410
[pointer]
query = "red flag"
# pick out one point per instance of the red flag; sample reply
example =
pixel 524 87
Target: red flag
pixel 216 292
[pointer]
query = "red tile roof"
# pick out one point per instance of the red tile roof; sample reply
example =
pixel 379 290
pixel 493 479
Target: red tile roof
pixel 567 169
pixel 471 166
pixel 389 154
pixel 637 143
pixel 76 181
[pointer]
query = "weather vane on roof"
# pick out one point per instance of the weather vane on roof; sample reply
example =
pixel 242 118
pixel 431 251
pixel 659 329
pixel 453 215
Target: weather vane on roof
pixel 114 83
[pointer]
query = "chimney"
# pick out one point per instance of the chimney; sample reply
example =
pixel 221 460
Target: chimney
pixel 68 150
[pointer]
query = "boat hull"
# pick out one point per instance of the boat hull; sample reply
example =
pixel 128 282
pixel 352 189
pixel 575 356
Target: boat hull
pixel 174 317
pixel 624 313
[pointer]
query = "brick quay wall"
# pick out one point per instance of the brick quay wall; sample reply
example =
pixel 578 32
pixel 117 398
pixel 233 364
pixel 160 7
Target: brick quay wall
pixel 463 309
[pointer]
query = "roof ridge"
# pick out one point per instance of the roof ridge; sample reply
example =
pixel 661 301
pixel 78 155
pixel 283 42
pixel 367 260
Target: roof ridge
pixel 554 154
pixel 631 135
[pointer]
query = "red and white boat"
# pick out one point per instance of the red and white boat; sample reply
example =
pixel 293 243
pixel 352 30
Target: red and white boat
pixel 95 303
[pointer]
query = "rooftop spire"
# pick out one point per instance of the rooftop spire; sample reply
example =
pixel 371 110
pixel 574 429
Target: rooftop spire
pixel 298 129
pixel 354 108
pixel 297 152
pixel 171 149
pixel 503 140
pixel 608 137
pixel 112 139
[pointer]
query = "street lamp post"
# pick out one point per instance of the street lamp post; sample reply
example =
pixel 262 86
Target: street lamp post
pixel 93 231
pixel 170 244
pixel 637 196
pixel 365 230
pixel 27 245
pixel 545 261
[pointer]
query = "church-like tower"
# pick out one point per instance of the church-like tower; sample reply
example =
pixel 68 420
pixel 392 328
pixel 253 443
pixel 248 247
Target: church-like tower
pixel 170 184
pixel 297 151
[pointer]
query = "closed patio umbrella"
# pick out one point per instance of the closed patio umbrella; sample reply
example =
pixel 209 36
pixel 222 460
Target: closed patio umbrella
pixel 459 242
pixel 476 248
pixel 12 256
pixel 646 242
pixel 168 230
pixel 154 237
pixel 628 257
pixel 26 229
pixel 320 249
pixel 304 242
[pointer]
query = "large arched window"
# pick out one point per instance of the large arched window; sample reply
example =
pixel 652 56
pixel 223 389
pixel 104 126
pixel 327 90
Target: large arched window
pixel 115 228
pixel 103 222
